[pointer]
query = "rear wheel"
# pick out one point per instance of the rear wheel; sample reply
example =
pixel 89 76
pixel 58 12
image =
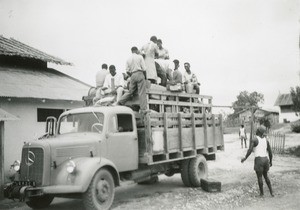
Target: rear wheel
pixel 197 170
pixel 40 202
pixel 185 173
pixel 101 191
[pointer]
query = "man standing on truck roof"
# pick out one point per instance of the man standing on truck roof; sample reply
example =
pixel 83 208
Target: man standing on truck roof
pixel 135 67
pixel 100 77
pixel 149 51
pixel 177 76
pixel 113 83
pixel 261 147
pixel 190 80
pixel 162 63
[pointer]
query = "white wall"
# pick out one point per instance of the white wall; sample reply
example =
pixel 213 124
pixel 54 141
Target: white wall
pixel 288 116
pixel 27 128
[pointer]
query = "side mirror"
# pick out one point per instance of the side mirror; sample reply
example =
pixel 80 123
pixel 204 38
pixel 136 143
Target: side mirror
pixel 51 126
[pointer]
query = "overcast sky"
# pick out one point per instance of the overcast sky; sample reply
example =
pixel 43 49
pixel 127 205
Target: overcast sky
pixel 232 45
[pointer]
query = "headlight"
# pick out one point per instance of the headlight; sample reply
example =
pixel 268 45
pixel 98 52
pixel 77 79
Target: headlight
pixel 16 165
pixel 71 166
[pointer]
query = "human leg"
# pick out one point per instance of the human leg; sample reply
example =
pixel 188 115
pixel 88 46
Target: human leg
pixel 260 182
pixel 132 89
pixel 141 87
pixel 197 88
pixel 120 91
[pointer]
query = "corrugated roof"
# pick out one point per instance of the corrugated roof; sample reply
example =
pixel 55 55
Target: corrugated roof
pixel 12 47
pixel 47 84
pixel 5 116
pixel 284 100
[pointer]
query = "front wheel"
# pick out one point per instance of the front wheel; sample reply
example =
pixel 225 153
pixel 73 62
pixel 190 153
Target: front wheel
pixel 40 202
pixel 101 191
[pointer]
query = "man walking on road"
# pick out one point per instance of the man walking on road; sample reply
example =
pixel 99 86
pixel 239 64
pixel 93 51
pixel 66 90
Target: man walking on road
pixel 261 147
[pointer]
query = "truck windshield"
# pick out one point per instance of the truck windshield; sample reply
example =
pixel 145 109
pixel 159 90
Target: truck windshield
pixel 81 122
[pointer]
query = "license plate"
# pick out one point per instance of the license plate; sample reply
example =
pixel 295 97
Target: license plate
pixel 25 183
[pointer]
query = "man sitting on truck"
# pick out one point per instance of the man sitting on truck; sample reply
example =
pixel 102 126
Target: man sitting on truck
pixel 135 67
pixel 113 84
pixel 190 80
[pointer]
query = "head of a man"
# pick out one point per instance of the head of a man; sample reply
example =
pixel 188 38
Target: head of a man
pixel 153 39
pixel 134 49
pixel 176 63
pixel 112 70
pixel 242 126
pixel 187 66
pixel 261 131
pixel 159 43
pixel 104 66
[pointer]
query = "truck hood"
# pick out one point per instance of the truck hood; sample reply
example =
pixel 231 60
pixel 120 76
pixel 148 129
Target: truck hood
pixel 68 146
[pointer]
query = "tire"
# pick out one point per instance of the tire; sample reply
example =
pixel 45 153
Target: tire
pixel 185 173
pixel 197 170
pixel 101 191
pixel 40 202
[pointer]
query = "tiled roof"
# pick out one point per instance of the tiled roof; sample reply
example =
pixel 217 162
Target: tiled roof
pixel 284 100
pixel 12 47
pixel 47 84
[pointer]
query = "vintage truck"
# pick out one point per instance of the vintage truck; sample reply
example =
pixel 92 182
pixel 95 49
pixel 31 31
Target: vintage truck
pixel 91 150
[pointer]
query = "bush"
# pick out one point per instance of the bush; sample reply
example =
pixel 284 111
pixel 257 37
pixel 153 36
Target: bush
pixel 295 126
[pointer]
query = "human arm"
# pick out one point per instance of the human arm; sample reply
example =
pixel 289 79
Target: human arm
pixel 269 152
pixel 253 143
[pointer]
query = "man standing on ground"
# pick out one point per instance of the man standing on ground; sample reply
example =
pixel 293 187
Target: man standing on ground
pixel 114 83
pixel 100 77
pixel 190 80
pixel 135 67
pixel 149 51
pixel 243 135
pixel 261 147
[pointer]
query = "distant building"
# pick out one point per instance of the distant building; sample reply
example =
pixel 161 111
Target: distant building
pixel 31 91
pixel 285 103
pixel 271 114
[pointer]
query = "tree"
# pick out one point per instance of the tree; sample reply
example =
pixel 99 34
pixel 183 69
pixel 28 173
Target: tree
pixel 246 99
pixel 295 93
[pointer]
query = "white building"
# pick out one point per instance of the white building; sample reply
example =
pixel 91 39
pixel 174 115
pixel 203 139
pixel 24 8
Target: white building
pixel 285 103
pixel 31 91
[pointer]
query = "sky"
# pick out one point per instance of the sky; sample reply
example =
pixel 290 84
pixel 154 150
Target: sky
pixel 232 45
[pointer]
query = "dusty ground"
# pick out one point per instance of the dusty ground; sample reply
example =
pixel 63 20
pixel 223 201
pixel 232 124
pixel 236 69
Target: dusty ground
pixel 239 186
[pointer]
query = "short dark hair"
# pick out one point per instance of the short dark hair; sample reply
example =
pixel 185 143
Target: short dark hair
pixel 187 63
pixel 134 49
pixel 159 41
pixel 112 67
pixel 176 61
pixel 153 39
pixel 104 66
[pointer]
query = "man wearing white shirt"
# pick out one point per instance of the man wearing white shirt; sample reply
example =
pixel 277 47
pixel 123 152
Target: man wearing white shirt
pixel 190 80
pixel 113 83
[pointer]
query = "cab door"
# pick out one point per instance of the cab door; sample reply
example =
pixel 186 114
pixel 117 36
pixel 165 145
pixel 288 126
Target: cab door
pixel 122 142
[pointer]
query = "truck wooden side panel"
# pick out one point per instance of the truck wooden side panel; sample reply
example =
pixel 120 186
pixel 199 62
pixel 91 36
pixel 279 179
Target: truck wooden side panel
pixel 174 136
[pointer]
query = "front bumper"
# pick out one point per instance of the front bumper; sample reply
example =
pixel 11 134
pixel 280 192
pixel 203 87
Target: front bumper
pixel 14 191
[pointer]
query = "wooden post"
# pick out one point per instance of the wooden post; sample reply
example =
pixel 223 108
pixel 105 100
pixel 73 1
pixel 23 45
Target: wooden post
pixel 252 124
pixel 1 158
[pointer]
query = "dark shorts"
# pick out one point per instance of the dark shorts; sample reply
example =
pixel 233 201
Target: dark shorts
pixel 261 164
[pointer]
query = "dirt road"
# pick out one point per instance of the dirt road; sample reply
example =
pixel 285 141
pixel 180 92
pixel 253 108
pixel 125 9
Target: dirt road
pixel 239 186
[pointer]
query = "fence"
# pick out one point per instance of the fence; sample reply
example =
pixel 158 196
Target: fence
pixel 277 141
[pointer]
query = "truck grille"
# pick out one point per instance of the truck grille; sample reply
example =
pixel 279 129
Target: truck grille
pixel 32 165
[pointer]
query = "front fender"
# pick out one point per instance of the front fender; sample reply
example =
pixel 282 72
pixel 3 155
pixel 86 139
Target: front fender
pixel 86 167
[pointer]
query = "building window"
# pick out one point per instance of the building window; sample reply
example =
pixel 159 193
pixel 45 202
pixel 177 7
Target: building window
pixel 42 114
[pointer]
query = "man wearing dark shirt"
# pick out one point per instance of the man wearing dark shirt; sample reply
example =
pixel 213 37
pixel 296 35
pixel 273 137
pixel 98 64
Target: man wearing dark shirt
pixel 261 148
